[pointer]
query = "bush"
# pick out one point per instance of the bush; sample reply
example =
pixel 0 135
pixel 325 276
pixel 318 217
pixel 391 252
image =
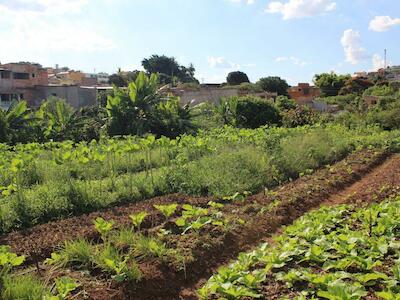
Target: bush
pixel 299 116
pixel 4 138
pixel 248 112
pixel 379 90
pixel 284 103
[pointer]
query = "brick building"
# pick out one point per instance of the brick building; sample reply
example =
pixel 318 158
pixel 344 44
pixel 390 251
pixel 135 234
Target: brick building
pixel 303 93
pixel 19 81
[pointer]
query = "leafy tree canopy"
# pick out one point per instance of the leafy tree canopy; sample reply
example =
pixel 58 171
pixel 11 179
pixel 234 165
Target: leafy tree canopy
pixel 169 70
pixel 274 84
pixel 330 83
pixel 237 78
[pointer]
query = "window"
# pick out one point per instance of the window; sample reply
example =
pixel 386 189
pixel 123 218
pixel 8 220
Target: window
pixel 54 94
pixel 21 96
pixel 33 75
pixel 5 74
pixel 5 98
pixel 21 76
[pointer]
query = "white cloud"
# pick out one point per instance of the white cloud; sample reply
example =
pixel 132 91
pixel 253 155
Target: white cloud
pixel 248 2
pixel 292 59
pixel 221 62
pixel 46 7
pixel 351 42
pixel 300 8
pixel 36 30
pixel 383 23
pixel 377 62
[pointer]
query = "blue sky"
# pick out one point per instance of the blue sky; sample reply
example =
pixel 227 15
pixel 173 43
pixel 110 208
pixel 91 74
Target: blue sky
pixel 293 39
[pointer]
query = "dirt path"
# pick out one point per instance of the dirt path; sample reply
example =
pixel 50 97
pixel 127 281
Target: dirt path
pixel 381 183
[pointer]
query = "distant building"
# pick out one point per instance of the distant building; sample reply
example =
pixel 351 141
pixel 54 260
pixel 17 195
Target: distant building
pixel 33 83
pixel 303 93
pixel 18 81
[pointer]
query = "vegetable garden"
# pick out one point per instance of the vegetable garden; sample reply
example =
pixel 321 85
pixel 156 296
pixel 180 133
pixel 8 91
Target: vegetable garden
pixel 146 218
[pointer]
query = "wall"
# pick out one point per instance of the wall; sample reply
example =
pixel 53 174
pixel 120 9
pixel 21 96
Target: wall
pixel 74 95
pixel 204 94
pixel 304 93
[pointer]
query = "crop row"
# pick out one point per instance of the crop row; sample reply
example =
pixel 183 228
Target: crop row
pixel 43 182
pixel 333 253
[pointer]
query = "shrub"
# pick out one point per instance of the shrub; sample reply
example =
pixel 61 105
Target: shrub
pixel 4 138
pixel 248 112
pixel 379 90
pixel 253 112
pixel 284 103
pixel 299 116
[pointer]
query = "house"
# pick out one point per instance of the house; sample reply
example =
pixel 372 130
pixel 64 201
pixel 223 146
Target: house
pixel 18 81
pixel 303 93
pixel 33 83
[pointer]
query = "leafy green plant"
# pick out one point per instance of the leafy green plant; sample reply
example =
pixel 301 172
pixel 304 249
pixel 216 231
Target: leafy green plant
pixel 138 219
pixel 103 226
pixel 167 210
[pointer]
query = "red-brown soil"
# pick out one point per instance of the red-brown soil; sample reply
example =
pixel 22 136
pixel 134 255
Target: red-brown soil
pixel 212 249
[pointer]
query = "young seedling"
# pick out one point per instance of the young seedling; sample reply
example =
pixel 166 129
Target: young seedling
pixel 64 285
pixel 138 219
pixel 103 226
pixel 167 210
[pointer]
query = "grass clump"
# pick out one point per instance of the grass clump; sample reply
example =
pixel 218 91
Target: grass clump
pixel 25 287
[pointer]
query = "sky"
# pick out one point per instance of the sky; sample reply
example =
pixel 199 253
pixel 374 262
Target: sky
pixel 293 39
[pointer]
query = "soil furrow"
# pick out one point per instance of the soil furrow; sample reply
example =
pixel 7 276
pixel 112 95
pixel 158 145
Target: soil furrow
pixel 161 282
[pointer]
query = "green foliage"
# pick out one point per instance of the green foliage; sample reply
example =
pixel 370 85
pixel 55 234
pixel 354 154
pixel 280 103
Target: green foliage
pixel 331 253
pixel 25 287
pixel 167 210
pixel 350 102
pixel 250 87
pixel 137 219
pixel 64 285
pixel 379 90
pixel 330 83
pixel 274 84
pixel 142 109
pixel 248 112
pixel 4 138
pixel 284 103
pixel 355 86
pixel 55 116
pixel 237 78
pixel 299 116
pixel 78 252
pixel 169 70
pixel 103 226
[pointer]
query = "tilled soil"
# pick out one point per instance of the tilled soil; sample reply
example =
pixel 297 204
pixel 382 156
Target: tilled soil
pixel 212 249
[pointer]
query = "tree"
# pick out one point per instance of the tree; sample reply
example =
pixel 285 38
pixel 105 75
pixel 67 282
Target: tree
pixel 168 69
pixel 237 78
pixel 122 79
pixel 274 84
pixel 330 83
